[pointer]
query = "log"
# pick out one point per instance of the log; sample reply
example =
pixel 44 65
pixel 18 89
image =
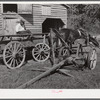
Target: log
pixel 63 71
pixel 47 68
pixel 71 67
pixel 46 73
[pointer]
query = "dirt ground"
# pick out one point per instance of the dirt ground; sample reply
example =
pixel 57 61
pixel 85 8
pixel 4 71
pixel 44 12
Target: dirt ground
pixel 86 79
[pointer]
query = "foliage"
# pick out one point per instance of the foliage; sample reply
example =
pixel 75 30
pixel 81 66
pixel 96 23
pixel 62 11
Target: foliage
pixel 86 16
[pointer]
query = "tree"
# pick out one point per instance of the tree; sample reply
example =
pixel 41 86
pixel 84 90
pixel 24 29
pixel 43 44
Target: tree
pixel 84 15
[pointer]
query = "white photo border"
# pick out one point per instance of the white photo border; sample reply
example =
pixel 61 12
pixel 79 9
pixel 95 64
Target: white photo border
pixel 50 93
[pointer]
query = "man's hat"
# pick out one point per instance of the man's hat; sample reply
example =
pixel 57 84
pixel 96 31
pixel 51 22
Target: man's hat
pixel 20 21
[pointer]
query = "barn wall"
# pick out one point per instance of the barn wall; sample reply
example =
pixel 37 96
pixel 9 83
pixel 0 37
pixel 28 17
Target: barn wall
pixel 1 19
pixel 34 21
pixel 57 11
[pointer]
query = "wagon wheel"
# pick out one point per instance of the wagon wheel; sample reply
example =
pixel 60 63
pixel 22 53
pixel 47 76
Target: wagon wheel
pixel 14 55
pixel 41 52
pixel 92 59
pixel 64 52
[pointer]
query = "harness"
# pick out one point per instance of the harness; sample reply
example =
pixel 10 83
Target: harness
pixel 79 32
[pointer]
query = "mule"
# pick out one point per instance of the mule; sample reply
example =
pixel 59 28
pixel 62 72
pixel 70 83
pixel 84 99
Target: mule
pixel 70 35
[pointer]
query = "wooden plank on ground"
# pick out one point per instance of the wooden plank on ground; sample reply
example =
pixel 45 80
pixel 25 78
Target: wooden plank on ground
pixel 62 71
pixel 53 69
pixel 65 73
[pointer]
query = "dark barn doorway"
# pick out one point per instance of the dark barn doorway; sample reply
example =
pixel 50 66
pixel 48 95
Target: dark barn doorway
pixel 51 23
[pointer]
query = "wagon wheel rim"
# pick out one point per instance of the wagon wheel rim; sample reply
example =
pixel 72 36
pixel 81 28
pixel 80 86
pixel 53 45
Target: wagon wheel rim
pixel 64 52
pixel 41 52
pixel 14 55
pixel 93 60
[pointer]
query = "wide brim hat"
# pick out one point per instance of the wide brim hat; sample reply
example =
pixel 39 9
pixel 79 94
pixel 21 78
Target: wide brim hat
pixel 20 21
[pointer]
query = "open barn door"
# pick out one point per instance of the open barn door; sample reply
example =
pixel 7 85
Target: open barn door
pixel 56 23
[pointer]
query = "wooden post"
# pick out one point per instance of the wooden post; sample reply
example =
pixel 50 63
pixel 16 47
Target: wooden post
pixel 52 48
pixel 78 49
pixel 59 36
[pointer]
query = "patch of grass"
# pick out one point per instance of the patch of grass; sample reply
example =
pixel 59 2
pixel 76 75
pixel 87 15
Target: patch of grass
pixel 86 79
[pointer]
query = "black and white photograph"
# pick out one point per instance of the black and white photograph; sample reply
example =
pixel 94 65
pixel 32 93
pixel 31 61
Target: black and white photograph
pixel 49 46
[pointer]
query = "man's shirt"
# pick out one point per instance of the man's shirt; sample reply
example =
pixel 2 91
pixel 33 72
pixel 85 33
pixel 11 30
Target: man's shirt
pixel 19 28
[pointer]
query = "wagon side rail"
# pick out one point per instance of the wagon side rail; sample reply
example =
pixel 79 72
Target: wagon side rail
pixel 20 37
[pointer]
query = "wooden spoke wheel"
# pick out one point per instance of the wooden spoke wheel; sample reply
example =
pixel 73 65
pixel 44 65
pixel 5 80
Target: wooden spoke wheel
pixel 92 59
pixel 64 52
pixel 41 52
pixel 14 55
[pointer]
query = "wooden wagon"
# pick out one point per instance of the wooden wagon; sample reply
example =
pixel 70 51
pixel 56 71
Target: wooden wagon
pixel 83 54
pixel 13 49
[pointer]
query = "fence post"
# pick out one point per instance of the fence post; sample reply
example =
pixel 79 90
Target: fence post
pixel 52 48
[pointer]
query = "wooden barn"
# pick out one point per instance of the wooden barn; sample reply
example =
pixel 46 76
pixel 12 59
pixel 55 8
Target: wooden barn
pixel 39 18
